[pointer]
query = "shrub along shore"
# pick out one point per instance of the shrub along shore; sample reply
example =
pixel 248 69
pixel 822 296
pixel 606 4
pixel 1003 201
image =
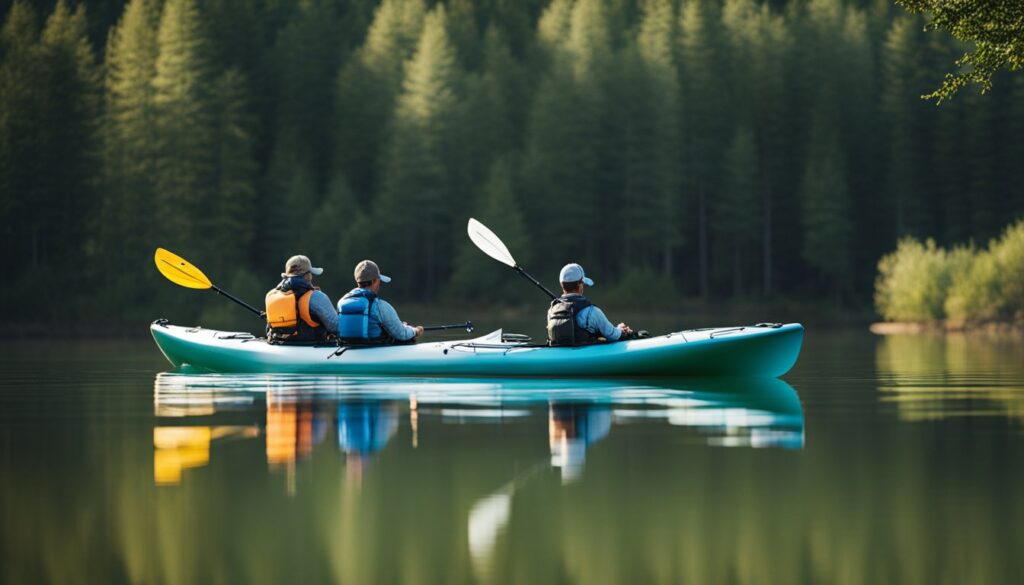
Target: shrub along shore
pixel 924 287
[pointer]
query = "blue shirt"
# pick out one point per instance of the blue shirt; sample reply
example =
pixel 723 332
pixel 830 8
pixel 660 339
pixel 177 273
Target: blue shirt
pixel 593 320
pixel 387 317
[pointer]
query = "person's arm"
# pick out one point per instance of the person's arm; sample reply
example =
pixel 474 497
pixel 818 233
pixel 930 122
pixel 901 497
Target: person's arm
pixel 390 322
pixel 596 322
pixel 323 311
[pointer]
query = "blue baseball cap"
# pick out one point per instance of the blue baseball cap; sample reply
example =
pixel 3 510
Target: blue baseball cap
pixel 572 273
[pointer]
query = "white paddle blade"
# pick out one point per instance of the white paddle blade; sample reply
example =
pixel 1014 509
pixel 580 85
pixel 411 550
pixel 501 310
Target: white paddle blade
pixel 489 243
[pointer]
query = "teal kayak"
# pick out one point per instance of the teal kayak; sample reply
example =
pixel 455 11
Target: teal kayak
pixel 754 351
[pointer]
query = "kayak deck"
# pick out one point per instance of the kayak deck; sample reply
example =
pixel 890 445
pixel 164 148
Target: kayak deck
pixel 761 351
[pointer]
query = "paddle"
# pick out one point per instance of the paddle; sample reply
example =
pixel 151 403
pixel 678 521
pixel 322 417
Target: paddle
pixel 468 326
pixel 492 245
pixel 182 273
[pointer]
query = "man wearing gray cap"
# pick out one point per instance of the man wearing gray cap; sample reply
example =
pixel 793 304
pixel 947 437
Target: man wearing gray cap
pixel 366 318
pixel 298 312
pixel 574 320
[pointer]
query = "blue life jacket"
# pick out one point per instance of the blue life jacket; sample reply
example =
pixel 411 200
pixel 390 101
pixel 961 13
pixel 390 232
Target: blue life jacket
pixel 355 322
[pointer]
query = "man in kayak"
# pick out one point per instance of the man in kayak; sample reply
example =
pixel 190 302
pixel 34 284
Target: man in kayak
pixel 573 320
pixel 363 317
pixel 298 312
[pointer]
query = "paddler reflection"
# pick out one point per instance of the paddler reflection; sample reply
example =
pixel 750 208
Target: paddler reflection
pixel 297 419
pixel 364 429
pixel 572 427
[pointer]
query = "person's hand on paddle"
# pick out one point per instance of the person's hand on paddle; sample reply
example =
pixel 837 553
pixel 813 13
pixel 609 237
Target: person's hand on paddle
pixel 418 328
pixel 626 331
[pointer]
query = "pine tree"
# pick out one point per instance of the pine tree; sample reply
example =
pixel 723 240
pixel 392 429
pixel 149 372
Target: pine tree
pixel 367 87
pixel 899 103
pixel 19 103
pixel 737 210
pixel 128 134
pixel 475 275
pixel 483 125
pixel 825 220
pixel 306 59
pixel 652 188
pixel 416 202
pixel 229 221
pixel 1012 171
pixel 986 219
pixel 184 127
pixel 775 137
pixel 701 118
pixel 70 125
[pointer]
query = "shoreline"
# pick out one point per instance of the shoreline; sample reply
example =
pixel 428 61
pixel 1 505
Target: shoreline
pixel 945 327
pixel 672 315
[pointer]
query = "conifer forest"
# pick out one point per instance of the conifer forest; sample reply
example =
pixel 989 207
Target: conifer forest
pixel 717 149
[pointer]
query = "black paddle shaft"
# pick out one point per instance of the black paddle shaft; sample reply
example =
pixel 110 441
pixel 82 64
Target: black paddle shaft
pixel 239 301
pixel 468 326
pixel 519 269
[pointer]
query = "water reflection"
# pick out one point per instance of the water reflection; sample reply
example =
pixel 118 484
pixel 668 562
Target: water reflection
pixel 364 414
pixel 937 377
pixel 295 417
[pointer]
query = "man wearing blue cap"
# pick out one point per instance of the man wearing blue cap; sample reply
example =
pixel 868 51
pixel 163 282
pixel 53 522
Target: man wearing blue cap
pixel 574 320
pixel 365 318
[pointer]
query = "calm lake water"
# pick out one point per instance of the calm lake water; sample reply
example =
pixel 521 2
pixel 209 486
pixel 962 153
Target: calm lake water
pixel 876 460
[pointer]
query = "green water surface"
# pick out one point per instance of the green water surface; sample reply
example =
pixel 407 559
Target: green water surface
pixel 876 460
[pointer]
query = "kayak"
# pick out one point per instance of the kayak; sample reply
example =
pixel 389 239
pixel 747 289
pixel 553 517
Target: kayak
pixel 764 350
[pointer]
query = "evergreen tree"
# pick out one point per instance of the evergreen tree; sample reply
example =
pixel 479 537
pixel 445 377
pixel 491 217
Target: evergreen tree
pixel 986 217
pixel 128 135
pixel 737 210
pixel 701 120
pixel 826 220
pixel 70 100
pixel 652 188
pixel 1011 171
pixel 899 103
pixel 475 275
pixel 367 87
pixel 229 218
pixel 418 179
pixel 774 133
pixel 183 171
pixel 307 55
pixel 19 86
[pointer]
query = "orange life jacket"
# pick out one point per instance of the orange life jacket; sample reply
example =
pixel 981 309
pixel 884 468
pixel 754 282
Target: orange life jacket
pixel 288 318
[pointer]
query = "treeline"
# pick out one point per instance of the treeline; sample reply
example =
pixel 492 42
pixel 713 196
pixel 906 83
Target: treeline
pixel 924 282
pixel 719 149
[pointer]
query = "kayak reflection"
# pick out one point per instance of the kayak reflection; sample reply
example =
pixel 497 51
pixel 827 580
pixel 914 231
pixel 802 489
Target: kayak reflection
pixel 296 414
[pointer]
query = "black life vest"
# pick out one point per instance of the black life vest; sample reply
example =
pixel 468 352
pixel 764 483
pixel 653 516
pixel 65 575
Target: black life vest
pixel 289 320
pixel 563 328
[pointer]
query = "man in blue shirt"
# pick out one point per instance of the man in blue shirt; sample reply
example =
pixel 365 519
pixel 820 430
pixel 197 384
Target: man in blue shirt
pixel 574 320
pixel 364 317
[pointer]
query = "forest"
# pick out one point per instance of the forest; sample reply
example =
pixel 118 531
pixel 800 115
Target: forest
pixel 705 149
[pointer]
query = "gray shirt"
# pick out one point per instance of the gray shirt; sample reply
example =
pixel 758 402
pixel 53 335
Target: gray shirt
pixel 384 315
pixel 387 316
pixel 321 308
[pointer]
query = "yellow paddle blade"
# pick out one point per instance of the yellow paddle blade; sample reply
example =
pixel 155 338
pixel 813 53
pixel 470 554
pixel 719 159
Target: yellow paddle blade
pixel 180 271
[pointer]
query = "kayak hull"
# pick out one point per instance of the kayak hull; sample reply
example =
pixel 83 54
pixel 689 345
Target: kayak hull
pixel 734 351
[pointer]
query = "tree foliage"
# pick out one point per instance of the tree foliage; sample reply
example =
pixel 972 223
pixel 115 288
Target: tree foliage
pixel 720 149
pixel 995 30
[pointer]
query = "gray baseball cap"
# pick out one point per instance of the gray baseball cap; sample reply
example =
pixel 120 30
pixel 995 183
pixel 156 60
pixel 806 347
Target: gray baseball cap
pixel 572 273
pixel 367 270
pixel 300 265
